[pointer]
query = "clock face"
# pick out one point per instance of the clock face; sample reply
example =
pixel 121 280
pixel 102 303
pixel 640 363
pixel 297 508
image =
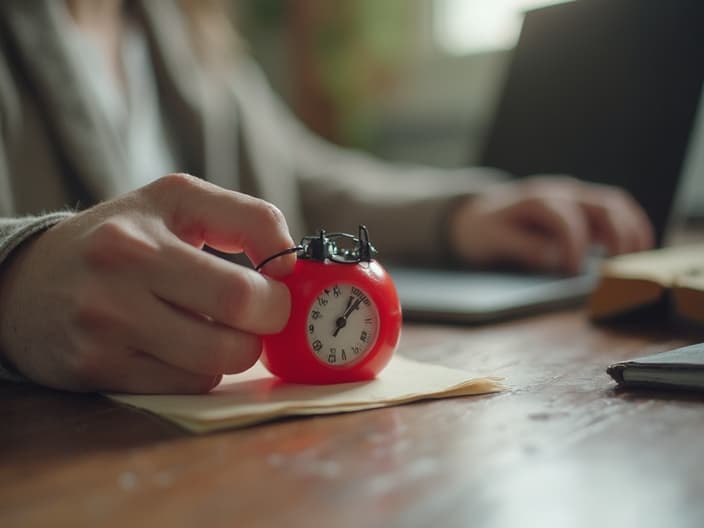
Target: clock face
pixel 342 324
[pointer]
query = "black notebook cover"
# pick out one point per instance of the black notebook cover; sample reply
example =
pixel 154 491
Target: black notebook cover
pixel 681 368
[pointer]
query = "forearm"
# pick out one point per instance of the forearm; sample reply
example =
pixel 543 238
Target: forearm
pixel 405 206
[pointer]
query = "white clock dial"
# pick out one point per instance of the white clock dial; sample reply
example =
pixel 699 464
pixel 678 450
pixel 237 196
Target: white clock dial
pixel 342 324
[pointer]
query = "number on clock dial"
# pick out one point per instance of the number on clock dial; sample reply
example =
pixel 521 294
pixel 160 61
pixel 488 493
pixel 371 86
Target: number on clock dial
pixel 342 324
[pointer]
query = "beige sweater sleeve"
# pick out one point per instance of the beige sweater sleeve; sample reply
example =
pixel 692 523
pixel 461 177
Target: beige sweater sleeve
pixel 13 232
pixel 405 207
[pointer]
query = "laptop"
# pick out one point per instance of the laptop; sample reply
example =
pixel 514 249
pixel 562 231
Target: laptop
pixel 604 90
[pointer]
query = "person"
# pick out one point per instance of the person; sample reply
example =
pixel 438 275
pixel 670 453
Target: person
pixel 103 281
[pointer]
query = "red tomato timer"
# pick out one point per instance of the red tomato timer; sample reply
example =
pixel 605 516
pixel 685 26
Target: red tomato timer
pixel 345 320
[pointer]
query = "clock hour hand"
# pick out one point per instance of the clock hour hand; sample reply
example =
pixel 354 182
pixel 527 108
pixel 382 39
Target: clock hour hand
pixel 341 321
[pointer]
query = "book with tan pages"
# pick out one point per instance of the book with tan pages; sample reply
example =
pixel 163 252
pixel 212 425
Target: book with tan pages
pixel 671 277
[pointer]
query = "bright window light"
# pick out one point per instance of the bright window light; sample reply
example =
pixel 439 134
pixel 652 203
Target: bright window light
pixel 471 26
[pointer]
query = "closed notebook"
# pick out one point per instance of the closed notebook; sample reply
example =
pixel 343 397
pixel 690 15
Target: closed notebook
pixel 681 368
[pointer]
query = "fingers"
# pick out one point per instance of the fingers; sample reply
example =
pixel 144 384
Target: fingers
pixel 186 341
pixel 548 224
pixel 228 293
pixel 107 356
pixel 195 349
pixel 610 228
pixel 528 250
pixel 559 220
pixel 617 220
pixel 640 227
pixel 193 343
pixel 595 214
pixel 200 212
pixel 139 373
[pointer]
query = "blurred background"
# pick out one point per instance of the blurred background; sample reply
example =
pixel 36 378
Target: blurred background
pixel 408 80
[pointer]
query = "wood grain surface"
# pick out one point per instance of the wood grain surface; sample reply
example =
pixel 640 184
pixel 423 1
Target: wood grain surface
pixel 561 447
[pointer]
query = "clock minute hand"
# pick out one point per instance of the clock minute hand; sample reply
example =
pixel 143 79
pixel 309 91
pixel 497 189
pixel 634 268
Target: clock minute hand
pixel 352 308
pixel 342 320
pixel 349 303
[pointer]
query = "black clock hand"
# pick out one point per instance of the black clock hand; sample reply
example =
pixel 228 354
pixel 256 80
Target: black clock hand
pixel 342 320
pixel 352 308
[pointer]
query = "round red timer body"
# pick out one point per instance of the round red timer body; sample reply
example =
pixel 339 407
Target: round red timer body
pixel 344 326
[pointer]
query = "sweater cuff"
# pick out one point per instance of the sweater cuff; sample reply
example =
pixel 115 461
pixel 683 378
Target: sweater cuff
pixel 13 232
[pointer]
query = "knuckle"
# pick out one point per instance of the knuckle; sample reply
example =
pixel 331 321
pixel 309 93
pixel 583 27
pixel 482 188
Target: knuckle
pixel 101 241
pixel 229 353
pixel 237 355
pixel 171 190
pixel 620 198
pixel 570 181
pixel 173 195
pixel 115 243
pixel 612 197
pixel 218 354
pixel 563 210
pixel 268 214
pixel 175 182
pixel 602 212
pixel 245 355
pixel 529 187
pixel 539 203
pixel 234 301
pixel 282 300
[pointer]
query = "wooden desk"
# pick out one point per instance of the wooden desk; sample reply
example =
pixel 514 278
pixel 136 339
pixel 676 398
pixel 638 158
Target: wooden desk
pixel 560 448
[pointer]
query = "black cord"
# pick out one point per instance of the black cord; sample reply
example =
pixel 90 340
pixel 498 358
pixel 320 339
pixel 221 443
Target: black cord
pixel 277 255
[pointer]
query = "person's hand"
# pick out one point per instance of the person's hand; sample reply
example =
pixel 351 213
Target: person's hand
pixel 547 224
pixel 122 298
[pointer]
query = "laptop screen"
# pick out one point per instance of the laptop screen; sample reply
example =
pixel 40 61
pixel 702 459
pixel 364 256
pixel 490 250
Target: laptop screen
pixel 605 90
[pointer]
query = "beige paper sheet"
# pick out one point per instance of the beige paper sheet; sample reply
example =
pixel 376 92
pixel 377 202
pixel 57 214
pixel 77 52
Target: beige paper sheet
pixel 256 396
